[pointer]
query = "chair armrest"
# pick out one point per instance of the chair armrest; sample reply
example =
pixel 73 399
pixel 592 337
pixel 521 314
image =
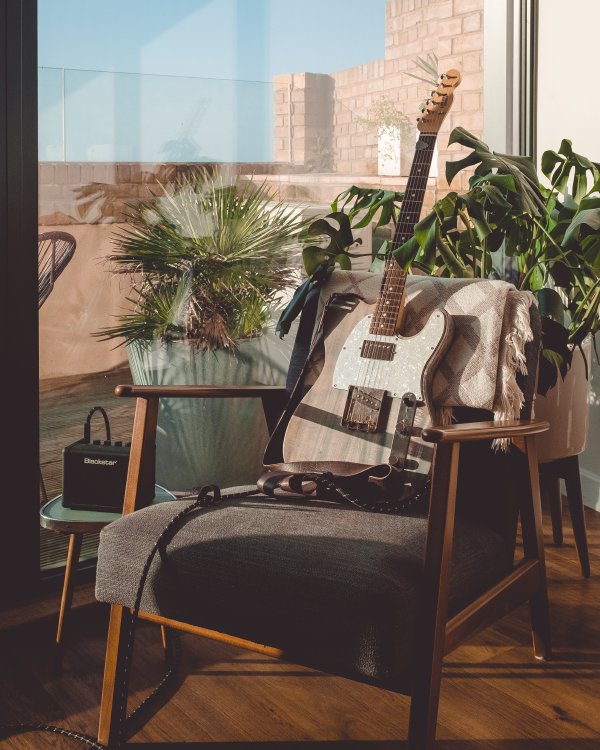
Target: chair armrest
pixel 470 431
pixel 199 391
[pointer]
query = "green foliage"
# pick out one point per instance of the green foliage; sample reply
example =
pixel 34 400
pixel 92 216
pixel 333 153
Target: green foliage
pixel 551 233
pixel 385 117
pixel 428 66
pixel 328 242
pixel 207 261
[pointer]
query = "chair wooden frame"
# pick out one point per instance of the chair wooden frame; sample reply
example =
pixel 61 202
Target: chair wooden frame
pixel 438 635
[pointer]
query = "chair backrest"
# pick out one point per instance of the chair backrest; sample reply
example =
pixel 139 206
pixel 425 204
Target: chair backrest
pixel 492 503
pixel 55 250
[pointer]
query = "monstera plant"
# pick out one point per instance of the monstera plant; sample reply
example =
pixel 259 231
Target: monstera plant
pixel 542 233
pixel 329 242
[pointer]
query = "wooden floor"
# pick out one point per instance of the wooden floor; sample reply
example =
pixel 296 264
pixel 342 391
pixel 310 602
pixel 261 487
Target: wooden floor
pixel 494 695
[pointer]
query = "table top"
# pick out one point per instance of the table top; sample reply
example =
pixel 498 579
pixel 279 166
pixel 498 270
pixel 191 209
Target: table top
pixel 54 515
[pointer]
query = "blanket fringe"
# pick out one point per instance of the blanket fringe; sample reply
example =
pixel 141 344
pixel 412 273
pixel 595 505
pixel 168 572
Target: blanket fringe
pixel 510 397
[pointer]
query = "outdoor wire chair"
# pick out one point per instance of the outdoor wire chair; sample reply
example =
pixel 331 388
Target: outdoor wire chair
pixel 55 250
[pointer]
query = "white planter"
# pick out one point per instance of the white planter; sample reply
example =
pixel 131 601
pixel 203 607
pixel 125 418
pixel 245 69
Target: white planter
pixel 388 151
pixel 566 407
pixel 210 441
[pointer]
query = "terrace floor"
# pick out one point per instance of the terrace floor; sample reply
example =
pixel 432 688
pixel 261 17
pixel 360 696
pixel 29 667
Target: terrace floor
pixel 64 406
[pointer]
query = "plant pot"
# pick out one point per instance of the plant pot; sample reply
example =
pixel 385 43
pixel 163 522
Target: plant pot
pixel 565 407
pixel 388 151
pixel 210 441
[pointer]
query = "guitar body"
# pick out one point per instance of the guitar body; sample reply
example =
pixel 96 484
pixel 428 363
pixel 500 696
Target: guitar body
pixel 316 429
pixel 403 372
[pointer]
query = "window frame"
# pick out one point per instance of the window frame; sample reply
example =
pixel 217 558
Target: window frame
pixel 19 527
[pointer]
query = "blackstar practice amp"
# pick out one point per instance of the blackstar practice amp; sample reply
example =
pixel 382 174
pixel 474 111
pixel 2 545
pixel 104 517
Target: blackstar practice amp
pixel 94 473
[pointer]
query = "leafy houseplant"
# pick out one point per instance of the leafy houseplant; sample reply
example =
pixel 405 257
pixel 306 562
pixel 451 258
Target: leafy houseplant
pixel 395 132
pixel 208 260
pixel 329 241
pixel 547 234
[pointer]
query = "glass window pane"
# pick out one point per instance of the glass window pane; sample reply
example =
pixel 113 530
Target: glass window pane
pixel 306 98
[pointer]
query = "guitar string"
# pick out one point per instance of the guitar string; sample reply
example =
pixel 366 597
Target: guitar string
pixel 393 288
pixel 386 311
pixel 390 302
pixel 409 216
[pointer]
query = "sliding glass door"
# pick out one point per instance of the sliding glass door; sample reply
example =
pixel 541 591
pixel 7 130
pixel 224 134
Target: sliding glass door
pixel 135 96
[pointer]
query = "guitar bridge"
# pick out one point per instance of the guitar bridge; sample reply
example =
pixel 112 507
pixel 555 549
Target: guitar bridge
pixel 364 409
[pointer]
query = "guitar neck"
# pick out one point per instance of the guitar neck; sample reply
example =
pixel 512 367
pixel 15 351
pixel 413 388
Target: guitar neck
pixel 387 316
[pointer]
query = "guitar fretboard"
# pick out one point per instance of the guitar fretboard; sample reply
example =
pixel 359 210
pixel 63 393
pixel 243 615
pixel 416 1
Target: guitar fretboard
pixel 388 310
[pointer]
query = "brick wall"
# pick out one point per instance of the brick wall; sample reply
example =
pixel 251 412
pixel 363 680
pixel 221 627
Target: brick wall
pixel 453 30
pixel 321 144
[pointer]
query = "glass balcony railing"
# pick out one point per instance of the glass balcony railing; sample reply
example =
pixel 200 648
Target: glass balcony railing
pixel 97 116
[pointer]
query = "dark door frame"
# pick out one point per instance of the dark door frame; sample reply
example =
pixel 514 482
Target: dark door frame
pixel 19 458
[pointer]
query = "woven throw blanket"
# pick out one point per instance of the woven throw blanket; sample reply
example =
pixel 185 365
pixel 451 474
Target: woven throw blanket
pixel 491 328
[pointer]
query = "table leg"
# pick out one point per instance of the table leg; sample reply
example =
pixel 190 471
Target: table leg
pixel 67 592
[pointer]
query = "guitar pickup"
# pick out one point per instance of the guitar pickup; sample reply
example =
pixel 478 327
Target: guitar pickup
pixel 364 409
pixel 383 350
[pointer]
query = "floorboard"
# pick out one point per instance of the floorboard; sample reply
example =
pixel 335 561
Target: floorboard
pixel 494 695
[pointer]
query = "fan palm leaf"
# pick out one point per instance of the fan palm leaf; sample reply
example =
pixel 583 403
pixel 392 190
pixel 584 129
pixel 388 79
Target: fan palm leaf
pixel 207 259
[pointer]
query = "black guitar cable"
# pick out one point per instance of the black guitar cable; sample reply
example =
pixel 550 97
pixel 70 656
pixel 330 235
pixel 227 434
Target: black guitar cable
pixel 126 724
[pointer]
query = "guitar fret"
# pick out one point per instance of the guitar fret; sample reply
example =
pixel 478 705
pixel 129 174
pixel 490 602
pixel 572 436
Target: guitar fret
pixel 390 301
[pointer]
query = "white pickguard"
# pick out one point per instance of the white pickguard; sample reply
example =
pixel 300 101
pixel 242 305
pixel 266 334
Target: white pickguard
pixel 403 373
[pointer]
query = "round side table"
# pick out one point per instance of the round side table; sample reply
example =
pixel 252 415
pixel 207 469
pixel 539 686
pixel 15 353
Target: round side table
pixel 76 523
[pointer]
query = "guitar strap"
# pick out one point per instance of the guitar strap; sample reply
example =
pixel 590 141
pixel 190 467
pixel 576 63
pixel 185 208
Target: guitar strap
pixel 384 488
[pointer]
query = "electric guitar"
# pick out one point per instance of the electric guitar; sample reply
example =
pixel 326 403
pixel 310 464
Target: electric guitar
pixel 372 375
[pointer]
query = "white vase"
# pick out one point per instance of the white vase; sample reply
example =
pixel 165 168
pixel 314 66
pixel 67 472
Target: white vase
pixel 210 441
pixel 565 407
pixel 388 151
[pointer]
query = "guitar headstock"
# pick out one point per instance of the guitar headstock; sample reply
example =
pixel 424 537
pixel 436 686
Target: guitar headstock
pixel 439 103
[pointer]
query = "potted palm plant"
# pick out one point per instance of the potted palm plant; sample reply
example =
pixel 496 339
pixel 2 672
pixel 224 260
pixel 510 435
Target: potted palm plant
pixel 544 236
pixel 208 260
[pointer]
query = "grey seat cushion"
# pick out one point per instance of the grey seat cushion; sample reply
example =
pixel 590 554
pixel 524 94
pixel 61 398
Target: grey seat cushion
pixel 334 587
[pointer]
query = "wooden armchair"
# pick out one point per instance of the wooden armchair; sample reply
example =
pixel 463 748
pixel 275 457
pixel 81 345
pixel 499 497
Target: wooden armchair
pixel 392 593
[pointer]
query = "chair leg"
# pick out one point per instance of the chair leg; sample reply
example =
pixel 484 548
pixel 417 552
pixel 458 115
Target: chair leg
pixel 113 708
pixel 575 500
pixel 423 716
pixel 533 547
pixel 67 592
pixel 432 610
pixel 551 488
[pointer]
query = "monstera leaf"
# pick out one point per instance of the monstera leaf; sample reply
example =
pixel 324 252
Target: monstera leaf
pixel 550 234
pixel 526 186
